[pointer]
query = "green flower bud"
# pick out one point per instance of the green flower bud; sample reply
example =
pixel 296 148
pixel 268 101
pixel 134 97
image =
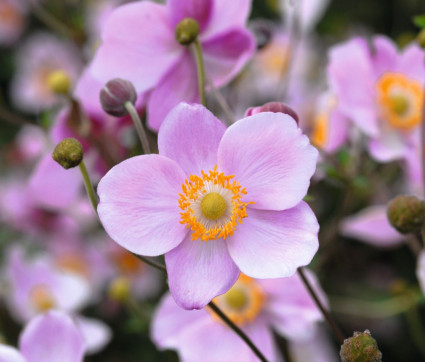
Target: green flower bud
pixel 119 289
pixel 361 347
pixel 186 31
pixel 68 153
pixel 406 214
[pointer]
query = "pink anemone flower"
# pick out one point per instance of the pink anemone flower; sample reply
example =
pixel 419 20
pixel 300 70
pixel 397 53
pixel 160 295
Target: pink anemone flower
pixel 216 201
pixel 256 306
pixel 381 90
pixel 139 44
pixel 48 337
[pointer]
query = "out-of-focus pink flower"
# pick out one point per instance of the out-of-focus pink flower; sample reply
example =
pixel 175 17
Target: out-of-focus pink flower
pixel 39 56
pixel 49 337
pixel 371 226
pixel 12 21
pixel 420 271
pixel 216 201
pixel 139 45
pixel 381 90
pixel 256 306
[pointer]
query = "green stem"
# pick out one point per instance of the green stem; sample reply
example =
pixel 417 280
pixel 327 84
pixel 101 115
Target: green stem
pixel 201 71
pixel 237 330
pixel 416 329
pixel 216 310
pixel 89 186
pixel 139 127
pixel 337 331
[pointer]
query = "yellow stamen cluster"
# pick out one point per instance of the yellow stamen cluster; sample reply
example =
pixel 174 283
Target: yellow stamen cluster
pixel 319 135
pixel 196 188
pixel 243 302
pixel 42 298
pixel 400 100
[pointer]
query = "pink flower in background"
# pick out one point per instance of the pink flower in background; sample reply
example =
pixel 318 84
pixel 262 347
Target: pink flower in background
pixel 371 226
pixel 256 306
pixel 12 21
pixel 49 337
pixel 39 56
pixel 381 90
pixel 139 44
pixel 216 201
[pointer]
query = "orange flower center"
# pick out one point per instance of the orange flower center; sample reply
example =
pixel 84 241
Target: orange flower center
pixel 400 100
pixel 41 298
pixel 243 302
pixel 212 205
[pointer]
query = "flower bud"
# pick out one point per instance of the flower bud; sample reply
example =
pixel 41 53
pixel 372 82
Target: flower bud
pixel 119 289
pixel 186 31
pixel 406 214
pixel 262 33
pixel 361 347
pixel 68 153
pixel 59 82
pixel 115 94
pixel 275 107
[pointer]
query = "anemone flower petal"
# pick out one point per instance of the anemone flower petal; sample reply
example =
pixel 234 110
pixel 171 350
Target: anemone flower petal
pixel 139 204
pixel 198 271
pixel 52 337
pixel 10 354
pixel 200 10
pixel 190 135
pixel 269 157
pixel 273 244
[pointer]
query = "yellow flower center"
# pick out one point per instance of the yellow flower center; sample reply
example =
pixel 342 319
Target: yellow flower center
pixel 41 298
pixel 243 302
pixel 75 263
pixel 319 135
pixel 400 100
pixel 274 58
pixel 212 205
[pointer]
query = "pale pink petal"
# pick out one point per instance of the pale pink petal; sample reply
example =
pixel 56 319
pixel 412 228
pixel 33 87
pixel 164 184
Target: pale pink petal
pixel 170 322
pixel 190 135
pixel 70 291
pixel 227 14
pixel 139 204
pixel 371 226
pixel 10 354
pixel 198 271
pixel 389 146
pixel 338 131
pixel 420 271
pixel 273 244
pixel 269 157
pixel 52 337
pixel 384 55
pixel 179 84
pixel 52 186
pixel 200 10
pixel 412 63
pixel 96 334
pixel 138 45
pixel 226 54
pixel 352 79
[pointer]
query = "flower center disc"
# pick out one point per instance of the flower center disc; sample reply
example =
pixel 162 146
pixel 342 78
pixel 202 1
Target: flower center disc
pixel 41 298
pixel 213 206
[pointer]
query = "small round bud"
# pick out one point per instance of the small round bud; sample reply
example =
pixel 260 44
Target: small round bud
pixel 406 214
pixel 361 347
pixel 186 31
pixel 68 153
pixel 421 38
pixel 262 32
pixel 59 82
pixel 275 107
pixel 119 289
pixel 115 94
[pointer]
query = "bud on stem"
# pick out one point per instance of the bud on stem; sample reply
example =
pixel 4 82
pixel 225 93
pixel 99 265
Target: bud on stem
pixel 361 347
pixel 68 153
pixel 406 214
pixel 187 30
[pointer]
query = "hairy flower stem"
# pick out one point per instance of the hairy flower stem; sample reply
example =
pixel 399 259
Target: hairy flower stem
pixel 139 127
pixel 88 185
pixel 216 310
pixel 337 331
pixel 201 71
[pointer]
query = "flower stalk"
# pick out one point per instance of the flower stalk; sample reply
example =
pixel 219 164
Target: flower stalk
pixel 139 127
pixel 201 71
pixel 88 185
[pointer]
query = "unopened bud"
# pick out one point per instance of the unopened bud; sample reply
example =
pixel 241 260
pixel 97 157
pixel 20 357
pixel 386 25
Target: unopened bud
pixel 119 289
pixel 68 153
pixel 262 32
pixel 186 31
pixel 406 214
pixel 361 347
pixel 421 38
pixel 115 94
pixel 275 107
pixel 58 82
